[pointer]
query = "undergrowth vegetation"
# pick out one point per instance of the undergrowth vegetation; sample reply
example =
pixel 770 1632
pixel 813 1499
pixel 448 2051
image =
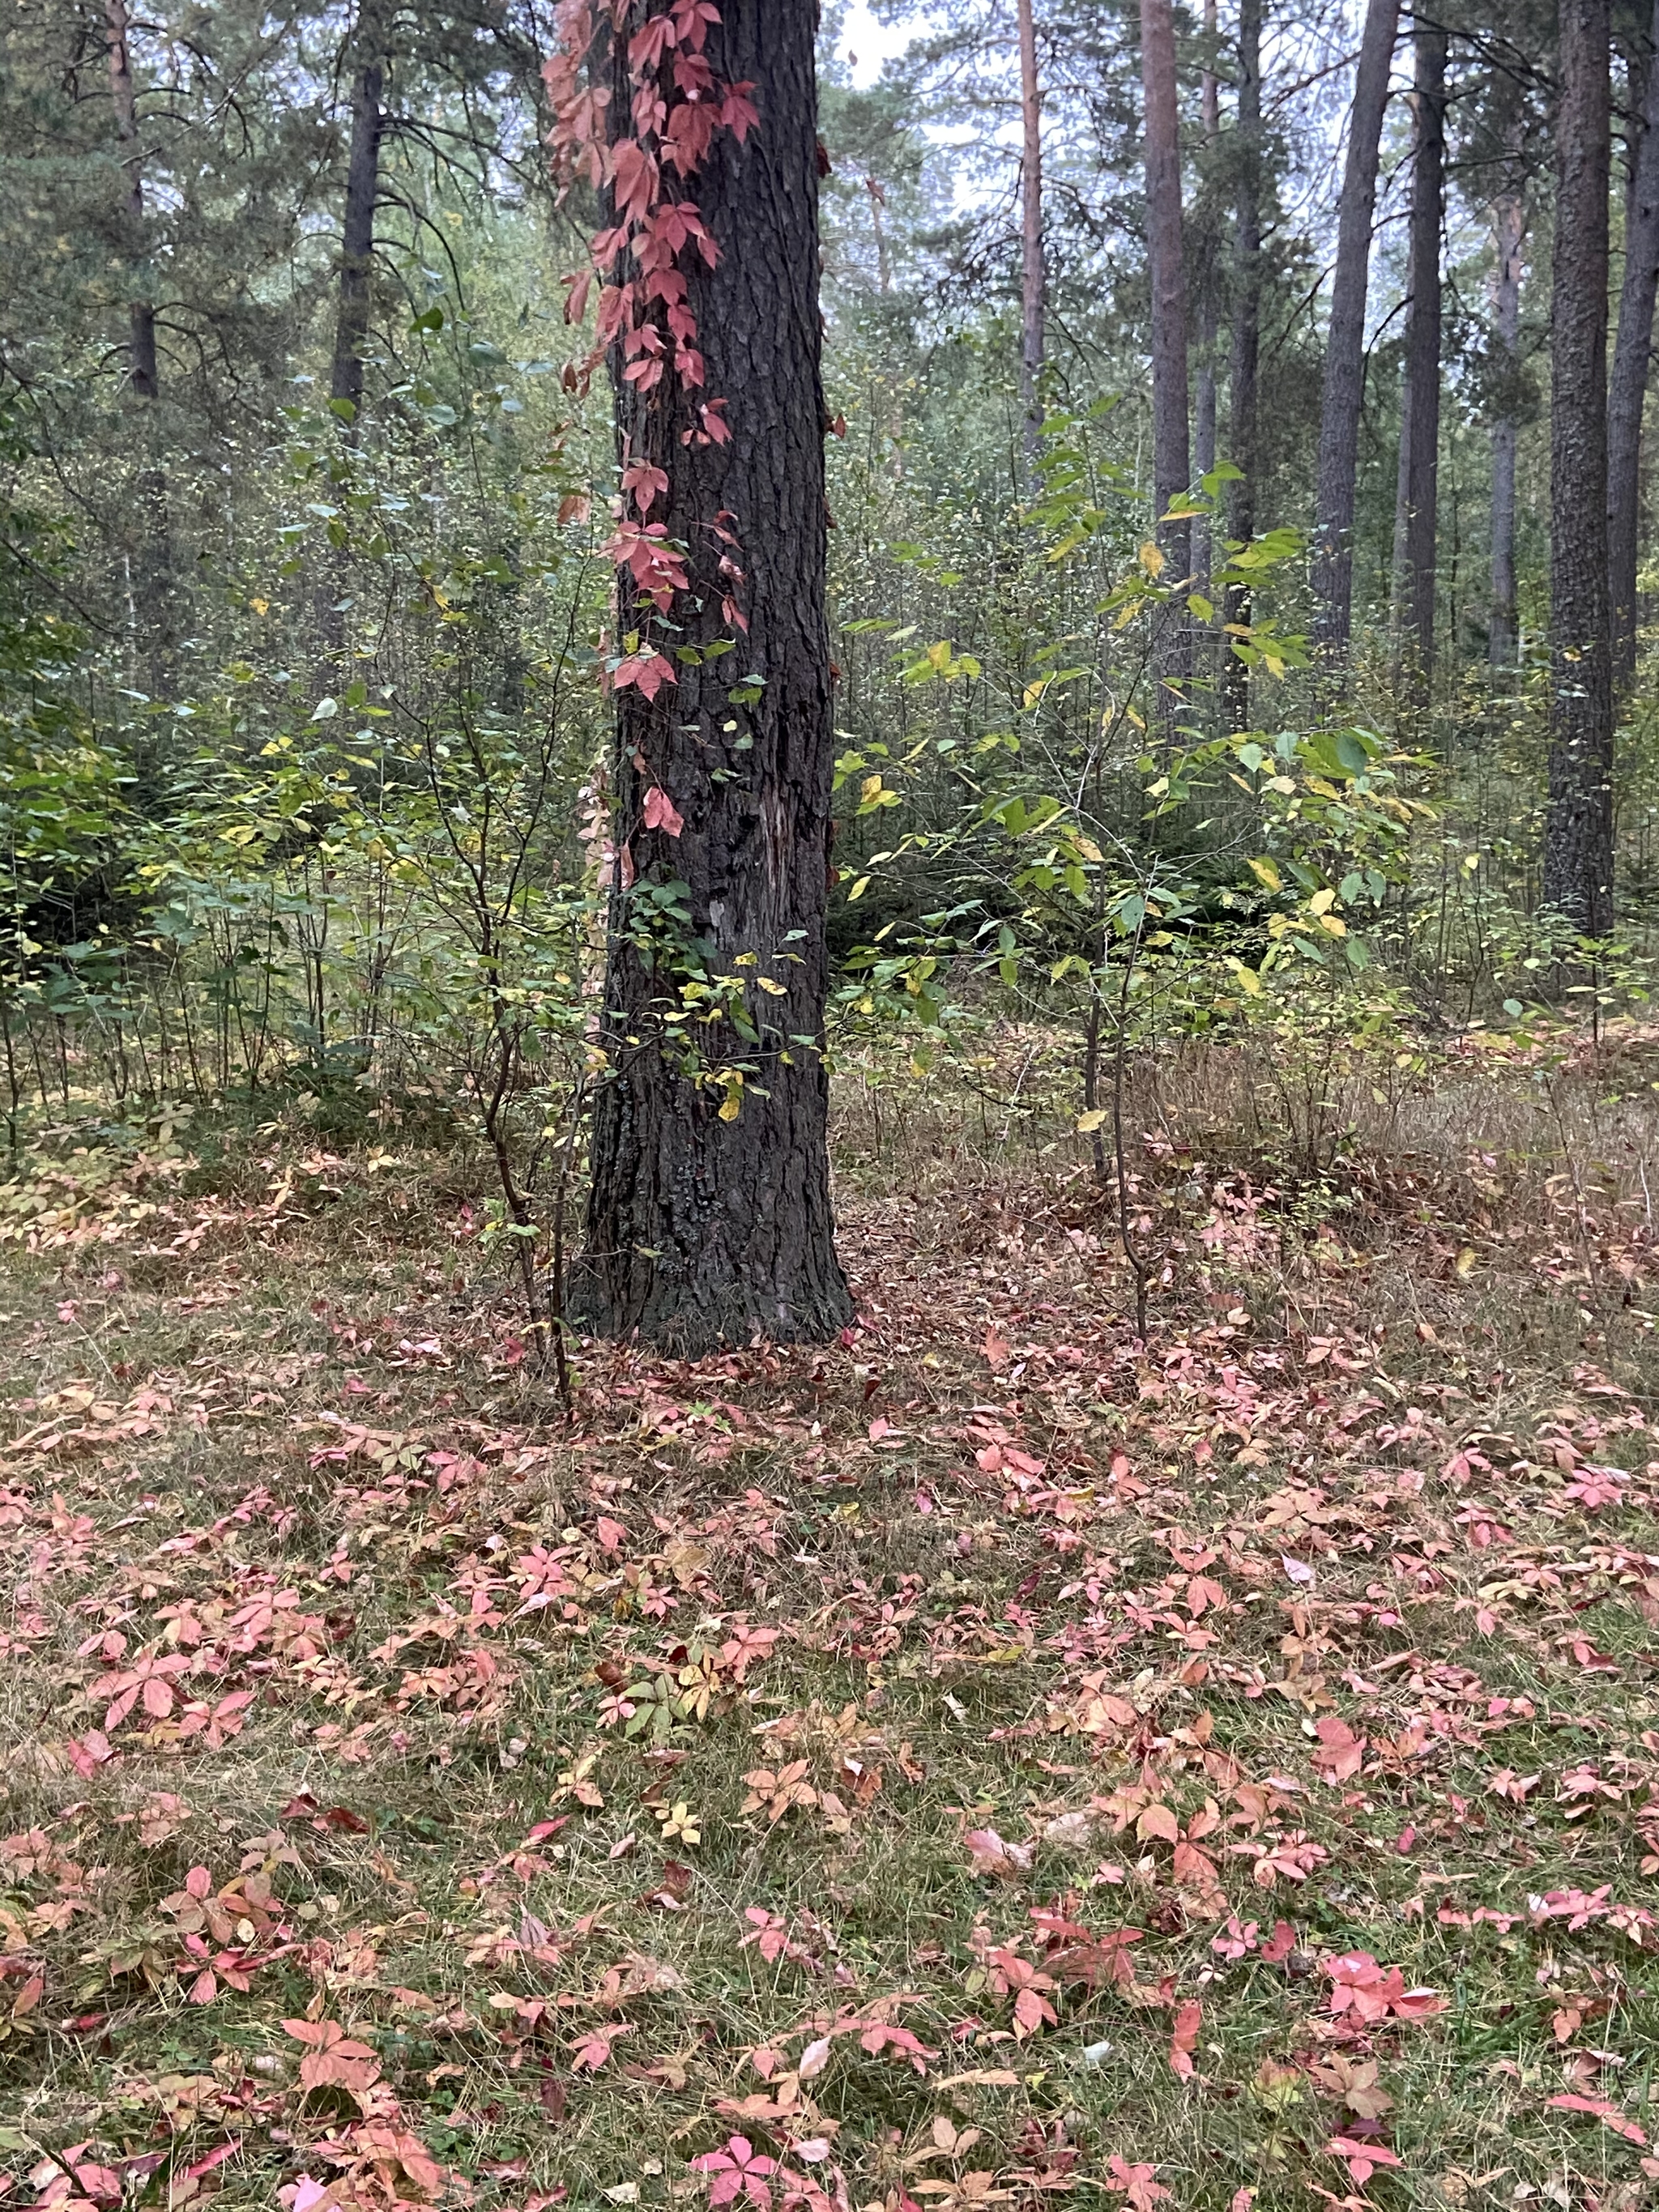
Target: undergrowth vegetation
pixel 988 1761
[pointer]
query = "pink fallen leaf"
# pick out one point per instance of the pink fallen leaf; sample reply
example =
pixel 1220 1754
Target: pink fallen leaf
pixel 592 2048
pixel 1184 2041
pixel 1361 2159
pixel 1134 2183
pixel 990 1854
pixel 1600 2108
pixel 1341 1753
pixel 1280 1944
pixel 737 2171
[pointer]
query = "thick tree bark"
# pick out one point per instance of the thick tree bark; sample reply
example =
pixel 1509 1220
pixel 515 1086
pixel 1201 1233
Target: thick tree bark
pixel 1033 272
pixel 1631 356
pixel 703 1231
pixel 1578 827
pixel 1509 231
pixel 1171 455
pixel 1345 346
pixel 1416 498
pixel 1246 339
pixel 357 227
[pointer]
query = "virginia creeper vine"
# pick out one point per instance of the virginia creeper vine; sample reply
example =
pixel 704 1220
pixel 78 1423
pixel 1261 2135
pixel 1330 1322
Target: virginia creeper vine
pixel 677 108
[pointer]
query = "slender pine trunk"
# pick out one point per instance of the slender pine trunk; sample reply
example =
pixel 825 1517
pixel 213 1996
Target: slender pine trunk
pixel 153 559
pixel 1204 400
pixel 1033 272
pixel 1509 232
pixel 1243 374
pixel 1632 354
pixel 1417 489
pixel 357 226
pixel 1345 346
pixel 1578 825
pixel 1171 454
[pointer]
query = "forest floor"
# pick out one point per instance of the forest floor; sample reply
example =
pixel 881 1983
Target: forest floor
pixel 980 1762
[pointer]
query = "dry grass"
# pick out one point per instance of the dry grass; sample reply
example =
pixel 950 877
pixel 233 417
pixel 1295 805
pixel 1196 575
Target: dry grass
pixel 1025 1576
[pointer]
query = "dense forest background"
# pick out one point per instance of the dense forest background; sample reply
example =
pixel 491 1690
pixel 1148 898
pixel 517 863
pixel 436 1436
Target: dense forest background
pixel 1193 555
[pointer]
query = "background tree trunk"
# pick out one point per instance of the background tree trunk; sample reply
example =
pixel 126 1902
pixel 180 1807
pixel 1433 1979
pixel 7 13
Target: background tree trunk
pixel 1416 500
pixel 1203 404
pixel 1345 346
pixel 152 558
pixel 1578 826
pixel 1033 276
pixel 144 376
pixel 1509 230
pixel 701 1230
pixel 357 229
pixel 1631 356
pixel 1171 455
pixel 1246 338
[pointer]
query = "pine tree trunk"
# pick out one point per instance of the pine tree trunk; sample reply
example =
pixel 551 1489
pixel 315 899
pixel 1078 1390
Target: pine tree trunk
pixel 703 1231
pixel 357 227
pixel 1246 350
pixel 1417 489
pixel 1630 357
pixel 144 376
pixel 153 558
pixel 1204 404
pixel 1578 826
pixel 1508 229
pixel 1344 345
pixel 1033 274
pixel 1171 455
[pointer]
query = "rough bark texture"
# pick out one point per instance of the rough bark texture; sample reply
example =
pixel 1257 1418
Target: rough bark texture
pixel 701 1231
pixel 1344 345
pixel 1416 496
pixel 1509 231
pixel 1033 273
pixel 358 228
pixel 1631 354
pixel 1246 339
pixel 1171 455
pixel 1578 827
